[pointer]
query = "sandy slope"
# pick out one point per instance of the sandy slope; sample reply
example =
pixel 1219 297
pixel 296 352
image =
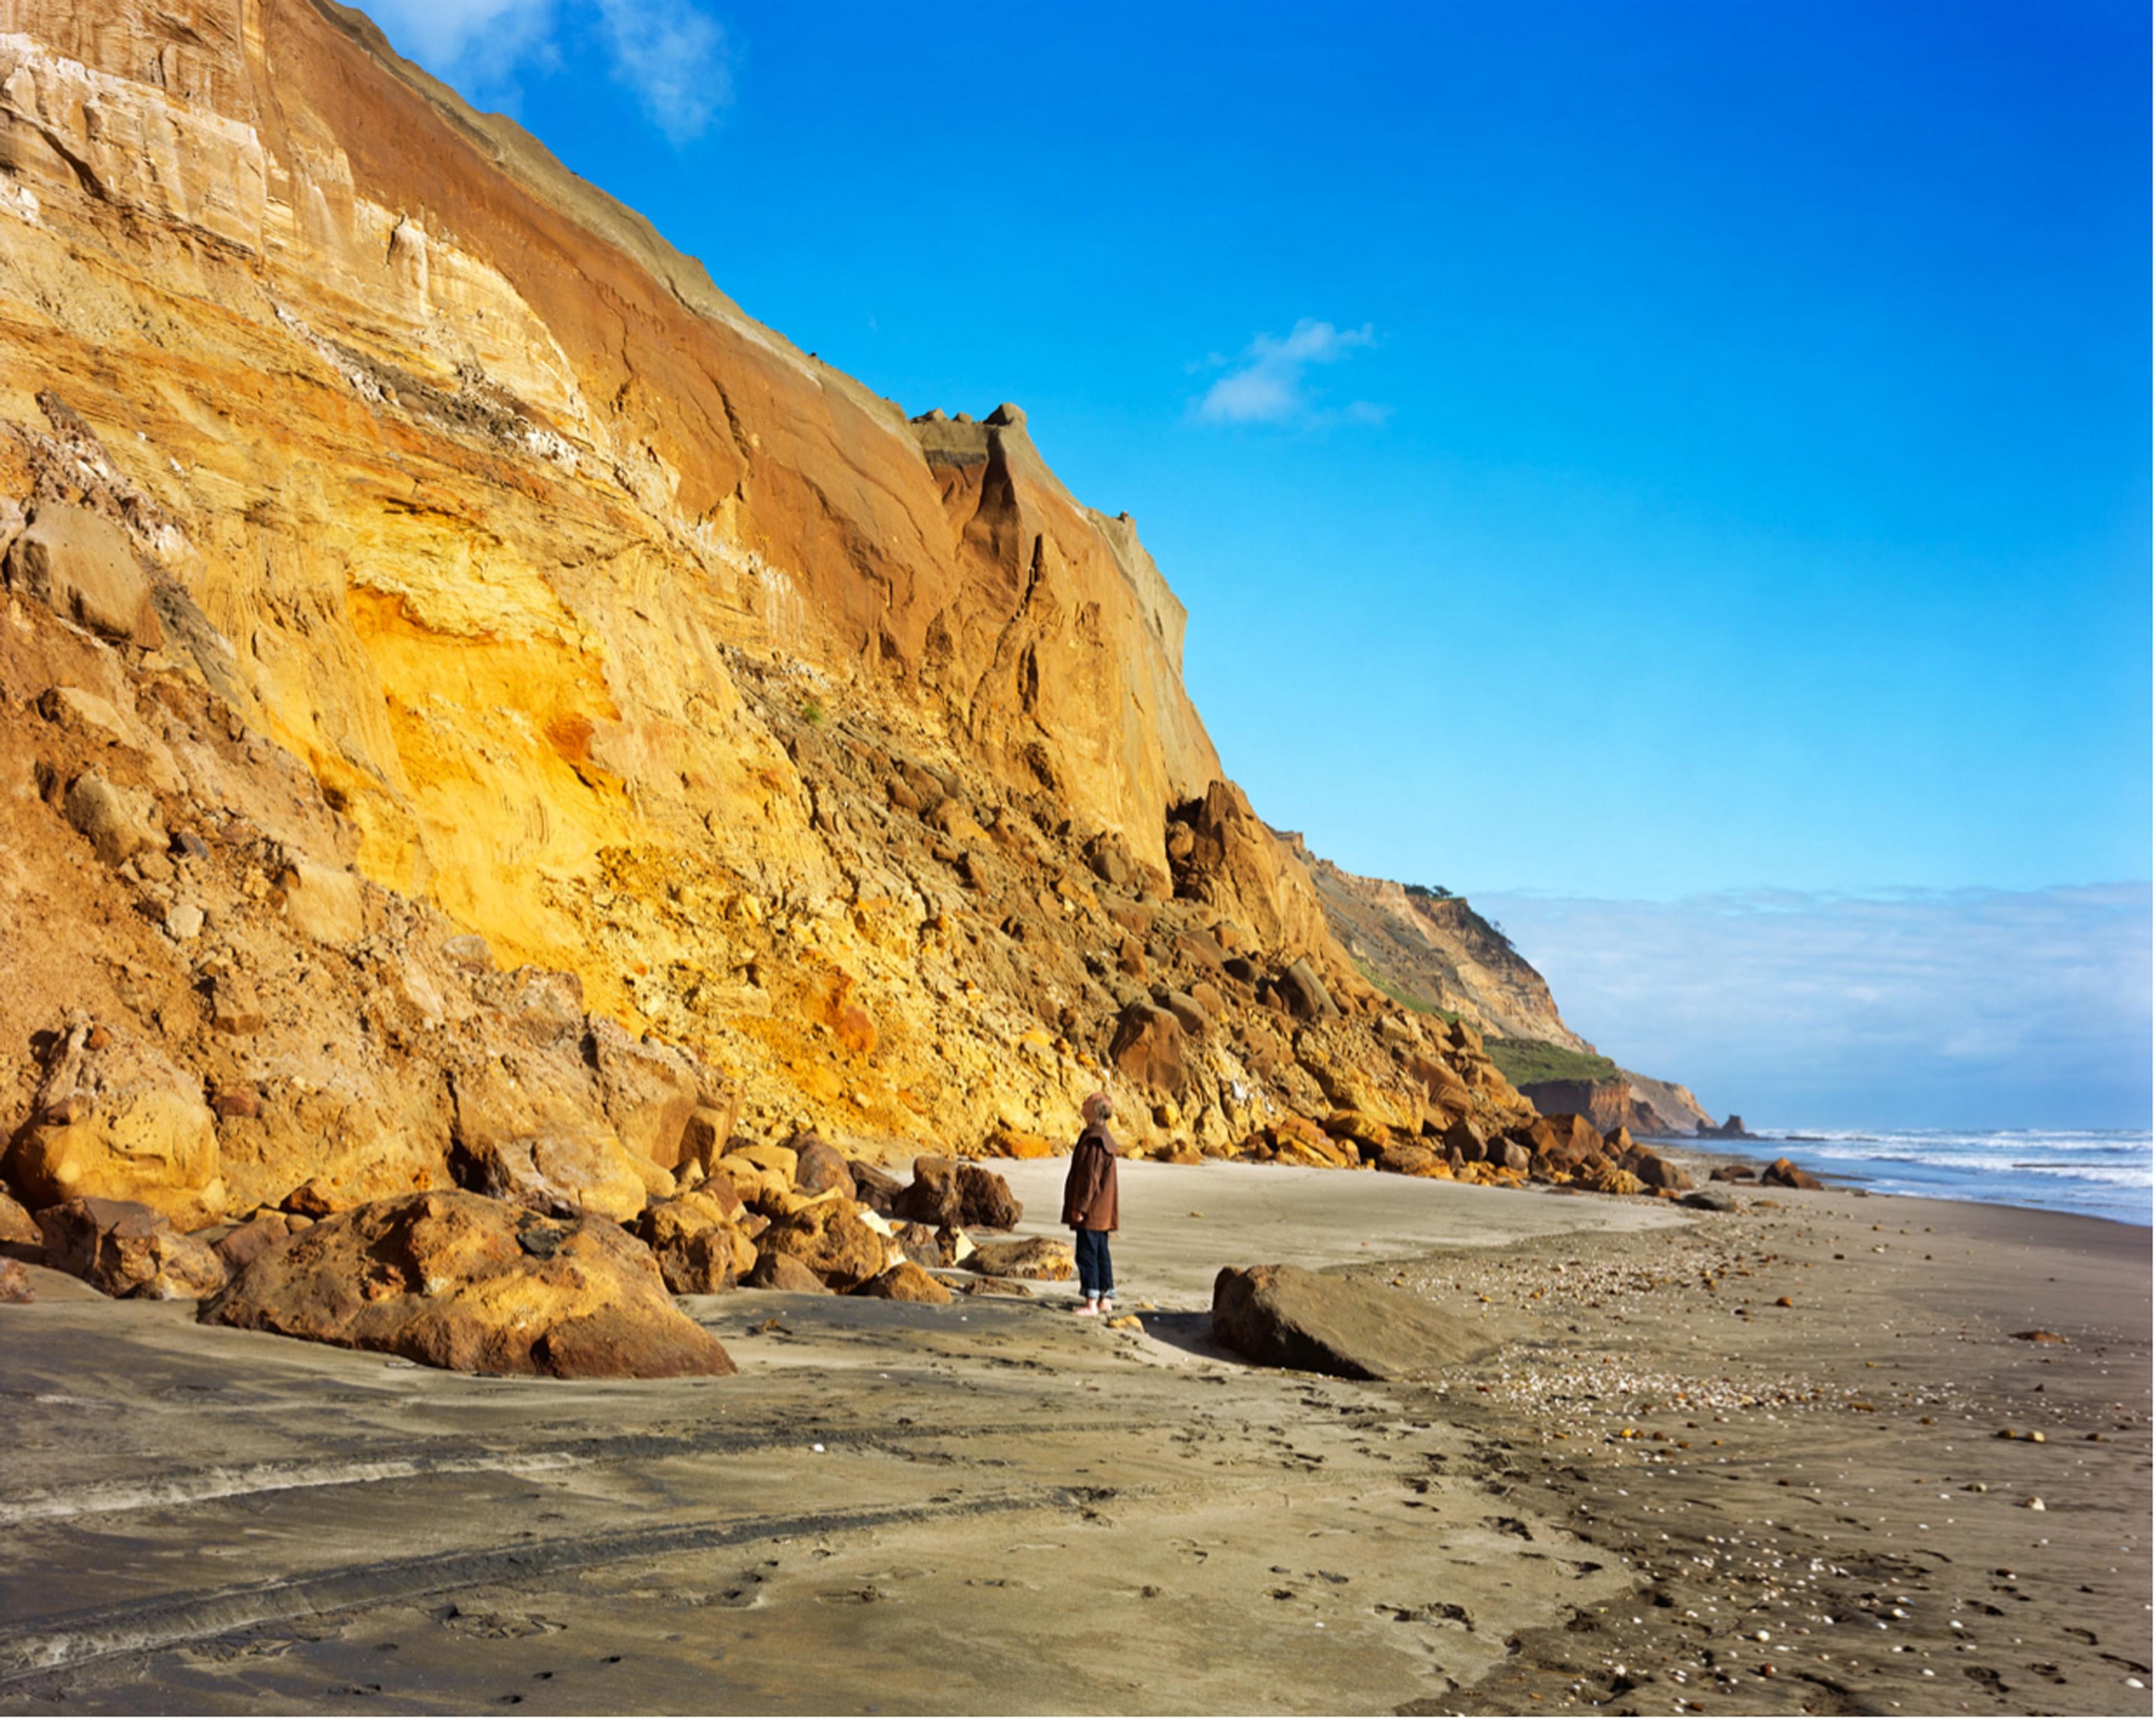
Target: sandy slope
pixel 1018 1511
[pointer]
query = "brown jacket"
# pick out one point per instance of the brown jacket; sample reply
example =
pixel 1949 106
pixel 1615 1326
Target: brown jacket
pixel 1089 1191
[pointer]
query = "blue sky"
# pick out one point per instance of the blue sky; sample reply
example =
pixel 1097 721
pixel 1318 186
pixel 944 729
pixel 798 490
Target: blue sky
pixel 1636 453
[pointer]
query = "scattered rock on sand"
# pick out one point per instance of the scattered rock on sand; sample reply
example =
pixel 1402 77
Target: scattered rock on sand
pixel 1708 1200
pixel 126 1248
pixel 1041 1257
pixel 819 1167
pixel 946 1192
pixel 15 1283
pixel 1783 1174
pixel 698 1250
pixel 1655 1171
pixel 829 1239
pixel 874 1187
pixel 990 1286
pixel 1284 1317
pixel 2040 1336
pixel 905 1282
pixel 19 1238
pixel 460 1281
pixel 919 1244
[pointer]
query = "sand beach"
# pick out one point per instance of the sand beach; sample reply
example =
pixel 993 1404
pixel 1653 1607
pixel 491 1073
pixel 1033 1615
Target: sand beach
pixel 1722 1462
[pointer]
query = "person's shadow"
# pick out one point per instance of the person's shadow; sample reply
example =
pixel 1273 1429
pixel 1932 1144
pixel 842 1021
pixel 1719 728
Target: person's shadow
pixel 1191 1333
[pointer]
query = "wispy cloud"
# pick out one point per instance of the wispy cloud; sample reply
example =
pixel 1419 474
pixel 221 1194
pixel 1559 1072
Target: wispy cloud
pixel 1269 383
pixel 1953 1009
pixel 480 43
pixel 672 56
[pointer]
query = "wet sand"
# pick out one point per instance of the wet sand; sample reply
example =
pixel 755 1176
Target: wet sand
pixel 1016 1511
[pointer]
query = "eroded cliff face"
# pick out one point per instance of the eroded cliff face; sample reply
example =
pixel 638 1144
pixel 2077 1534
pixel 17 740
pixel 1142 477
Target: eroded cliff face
pixel 500 578
pixel 1440 952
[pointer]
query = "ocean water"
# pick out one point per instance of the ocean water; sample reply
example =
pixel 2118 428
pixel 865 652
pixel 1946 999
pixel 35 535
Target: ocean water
pixel 2103 1173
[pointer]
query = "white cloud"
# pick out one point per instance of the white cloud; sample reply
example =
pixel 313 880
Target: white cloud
pixel 670 55
pixel 1269 383
pixel 1946 1009
pixel 674 58
pixel 481 42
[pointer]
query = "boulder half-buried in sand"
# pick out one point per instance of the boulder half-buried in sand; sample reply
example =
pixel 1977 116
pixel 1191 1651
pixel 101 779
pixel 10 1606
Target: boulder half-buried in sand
pixel 460 1281
pixel 1284 1317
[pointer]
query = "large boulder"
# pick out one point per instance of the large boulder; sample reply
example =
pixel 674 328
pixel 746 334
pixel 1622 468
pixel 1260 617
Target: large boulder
pixel 699 1250
pixel 126 1248
pixel 114 1119
pixel 948 1193
pixel 457 1280
pixel 84 568
pixel 1284 1317
pixel 1783 1174
pixel 1147 1048
pixel 830 1238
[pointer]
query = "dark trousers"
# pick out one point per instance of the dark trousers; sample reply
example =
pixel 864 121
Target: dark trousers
pixel 1096 1274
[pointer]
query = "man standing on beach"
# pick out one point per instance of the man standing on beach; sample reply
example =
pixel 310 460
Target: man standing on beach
pixel 1089 1206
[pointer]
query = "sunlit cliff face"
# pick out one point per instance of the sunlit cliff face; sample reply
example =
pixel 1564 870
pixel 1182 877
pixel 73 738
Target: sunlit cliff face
pixel 837 748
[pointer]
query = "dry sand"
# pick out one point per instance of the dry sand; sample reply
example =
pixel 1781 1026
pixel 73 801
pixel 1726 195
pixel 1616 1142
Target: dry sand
pixel 999 1507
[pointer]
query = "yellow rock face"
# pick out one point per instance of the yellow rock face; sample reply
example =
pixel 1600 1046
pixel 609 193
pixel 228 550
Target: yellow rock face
pixel 597 617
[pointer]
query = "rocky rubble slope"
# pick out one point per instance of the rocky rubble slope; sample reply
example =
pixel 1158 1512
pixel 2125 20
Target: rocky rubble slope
pixel 478 712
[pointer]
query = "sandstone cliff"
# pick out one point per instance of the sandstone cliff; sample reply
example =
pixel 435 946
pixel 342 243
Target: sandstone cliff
pixel 471 700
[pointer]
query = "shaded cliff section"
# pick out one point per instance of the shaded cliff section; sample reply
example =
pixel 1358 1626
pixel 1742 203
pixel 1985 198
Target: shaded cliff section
pixel 1428 950
pixel 467 684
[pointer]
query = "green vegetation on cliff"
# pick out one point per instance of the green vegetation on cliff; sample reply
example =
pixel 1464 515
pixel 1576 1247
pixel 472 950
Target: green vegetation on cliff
pixel 1526 1060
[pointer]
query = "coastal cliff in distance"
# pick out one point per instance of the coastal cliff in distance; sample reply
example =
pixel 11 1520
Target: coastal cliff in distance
pixel 465 684
pixel 1428 949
